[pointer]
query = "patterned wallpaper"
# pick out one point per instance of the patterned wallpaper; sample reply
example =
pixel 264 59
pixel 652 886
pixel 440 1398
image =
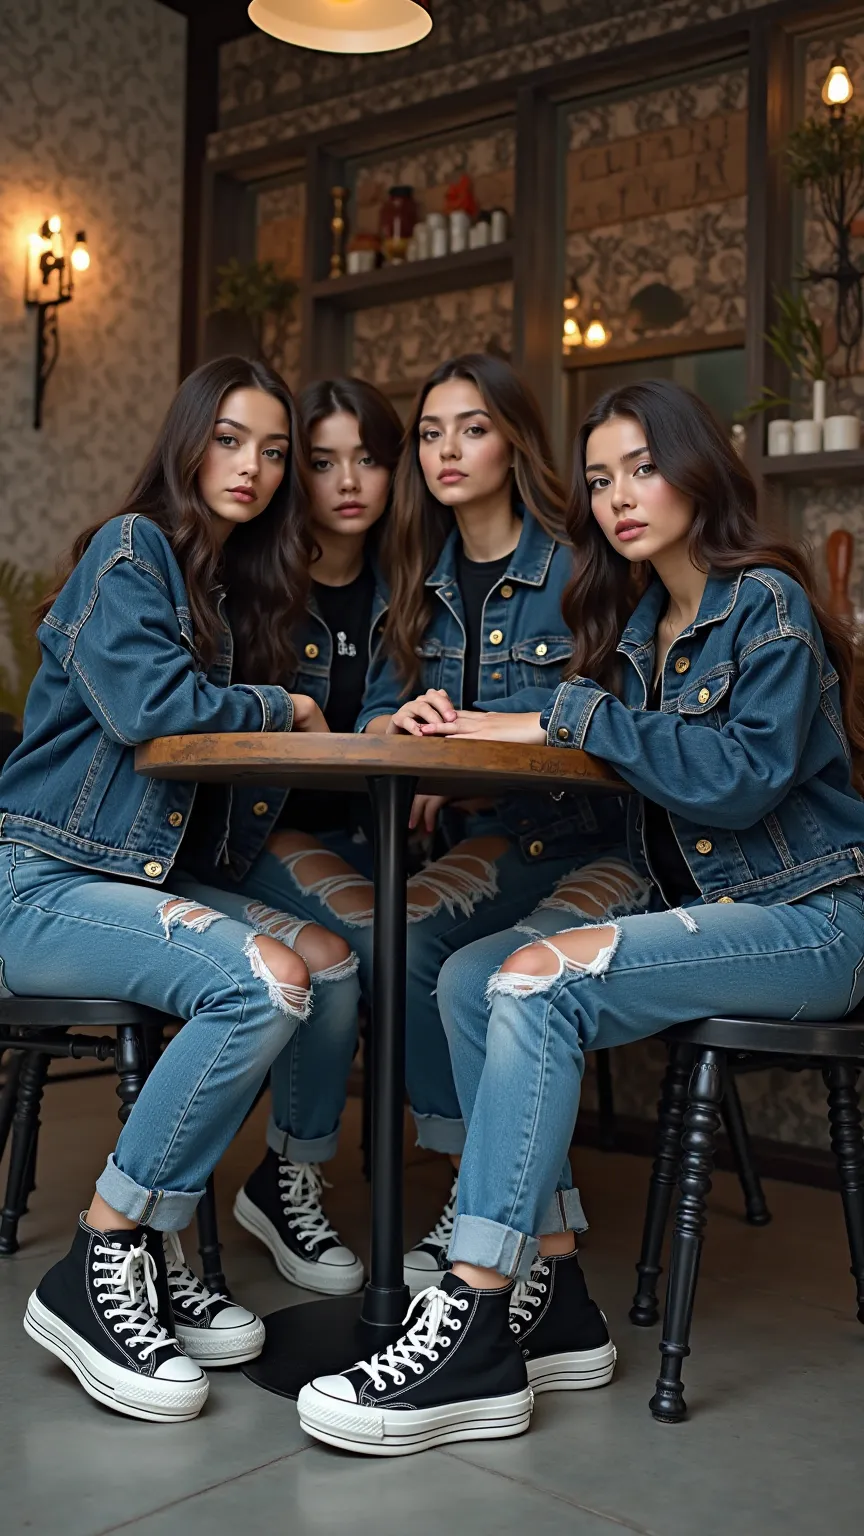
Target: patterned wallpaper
pixel 656 190
pixel 91 127
pixel 281 213
pixel 402 342
pixel 271 92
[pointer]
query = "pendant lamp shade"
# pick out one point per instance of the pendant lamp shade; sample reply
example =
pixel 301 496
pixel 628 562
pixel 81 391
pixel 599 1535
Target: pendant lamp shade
pixel 344 26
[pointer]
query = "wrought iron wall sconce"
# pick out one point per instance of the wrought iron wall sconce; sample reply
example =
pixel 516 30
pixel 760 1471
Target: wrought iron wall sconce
pixel 826 157
pixel 48 284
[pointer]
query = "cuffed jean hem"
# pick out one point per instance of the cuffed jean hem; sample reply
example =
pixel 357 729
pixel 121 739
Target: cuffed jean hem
pixel 438 1134
pixel 166 1210
pixel 490 1245
pixel 564 1213
pixel 319 1149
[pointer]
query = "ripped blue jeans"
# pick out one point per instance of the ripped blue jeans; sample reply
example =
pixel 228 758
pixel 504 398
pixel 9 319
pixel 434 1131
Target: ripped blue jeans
pixel 70 932
pixel 481 886
pixel 519 1028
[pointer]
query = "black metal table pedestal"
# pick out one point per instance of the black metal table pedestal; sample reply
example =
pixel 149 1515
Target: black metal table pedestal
pixel 322 1337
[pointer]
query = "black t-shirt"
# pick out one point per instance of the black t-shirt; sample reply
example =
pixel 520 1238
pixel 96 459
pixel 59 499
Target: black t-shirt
pixel 661 845
pixel 347 612
pixel 476 579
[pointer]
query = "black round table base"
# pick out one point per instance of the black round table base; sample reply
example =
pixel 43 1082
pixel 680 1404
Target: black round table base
pixel 317 1338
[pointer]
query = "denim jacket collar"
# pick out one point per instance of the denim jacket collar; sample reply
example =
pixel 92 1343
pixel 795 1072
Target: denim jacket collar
pixel 529 562
pixel 718 600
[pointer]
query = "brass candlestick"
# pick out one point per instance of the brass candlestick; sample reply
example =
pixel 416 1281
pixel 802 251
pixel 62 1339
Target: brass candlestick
pixel 337 225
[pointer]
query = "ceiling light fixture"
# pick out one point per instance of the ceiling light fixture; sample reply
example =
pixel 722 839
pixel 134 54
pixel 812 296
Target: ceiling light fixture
pixel 344 26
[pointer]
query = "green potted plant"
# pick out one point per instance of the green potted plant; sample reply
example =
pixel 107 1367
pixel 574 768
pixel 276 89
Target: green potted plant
pixel 20 591
pixel 258 292
pixel 795 337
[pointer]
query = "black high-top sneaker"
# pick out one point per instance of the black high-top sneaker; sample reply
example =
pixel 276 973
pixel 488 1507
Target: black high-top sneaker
pixel 426 1262
pixel 456 1374
pixel 98 1312
pixel 561 1332
pixel 280 1204
pixel 210 1328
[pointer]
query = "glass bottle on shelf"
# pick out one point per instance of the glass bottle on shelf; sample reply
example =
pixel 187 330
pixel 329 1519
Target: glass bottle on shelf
pixel 396 223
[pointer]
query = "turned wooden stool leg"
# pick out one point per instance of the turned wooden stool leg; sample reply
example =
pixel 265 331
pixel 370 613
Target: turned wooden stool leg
pixel 847 1144
pixel 25 1135
pixel 701 1124
pixel 667 1155
pixel 755 1208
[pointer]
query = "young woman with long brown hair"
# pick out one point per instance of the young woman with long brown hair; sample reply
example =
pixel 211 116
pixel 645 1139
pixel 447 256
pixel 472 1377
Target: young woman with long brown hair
pixel 176 616
pixel 478 560
pixel 707 672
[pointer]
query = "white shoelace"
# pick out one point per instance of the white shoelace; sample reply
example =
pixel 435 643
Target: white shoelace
pixel 183 1282
pixel 126 1277
pixel 441 1234
pixel 527 1294
pixel 301 1185
pixel 422 1338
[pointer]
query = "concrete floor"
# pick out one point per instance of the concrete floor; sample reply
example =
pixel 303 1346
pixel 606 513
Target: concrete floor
pixel 775 1387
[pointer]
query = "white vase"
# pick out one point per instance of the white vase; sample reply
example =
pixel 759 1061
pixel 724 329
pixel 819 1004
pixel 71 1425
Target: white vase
pixel 819 390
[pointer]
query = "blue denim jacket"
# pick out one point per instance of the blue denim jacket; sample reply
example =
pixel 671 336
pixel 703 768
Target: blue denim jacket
pixel 314 645
pixel 526 645
pixel 748 752
pixel 119 667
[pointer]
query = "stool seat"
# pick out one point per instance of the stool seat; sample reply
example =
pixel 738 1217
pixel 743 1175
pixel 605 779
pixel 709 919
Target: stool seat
pixel 785 1037
pixel 73 1013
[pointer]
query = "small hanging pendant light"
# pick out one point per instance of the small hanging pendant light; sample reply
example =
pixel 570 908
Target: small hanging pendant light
pixel 344 26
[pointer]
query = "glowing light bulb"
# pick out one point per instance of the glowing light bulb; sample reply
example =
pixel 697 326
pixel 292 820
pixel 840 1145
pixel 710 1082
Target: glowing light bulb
pixel 596 334
pixel 55 224
pixel 80 257
pixel 838 88
pixel 37 244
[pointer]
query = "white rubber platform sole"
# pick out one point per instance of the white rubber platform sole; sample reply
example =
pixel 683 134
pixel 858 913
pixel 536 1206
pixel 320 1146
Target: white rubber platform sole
pixel 329 1279
pixel 215 1347
pixel 417 1280
pixel 141 1397
pixel 401 1432
pixel 578 1371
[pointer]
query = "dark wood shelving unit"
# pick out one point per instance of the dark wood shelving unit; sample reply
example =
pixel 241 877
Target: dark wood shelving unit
pixel 395 284
pixel 841 468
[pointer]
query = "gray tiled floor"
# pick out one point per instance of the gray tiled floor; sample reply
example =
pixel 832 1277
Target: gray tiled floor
pixel 776 1389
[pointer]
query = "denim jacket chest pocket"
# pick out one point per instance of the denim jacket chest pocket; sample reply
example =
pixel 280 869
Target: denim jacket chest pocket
pixel 539 662
pixel 705 701
pixel 431 654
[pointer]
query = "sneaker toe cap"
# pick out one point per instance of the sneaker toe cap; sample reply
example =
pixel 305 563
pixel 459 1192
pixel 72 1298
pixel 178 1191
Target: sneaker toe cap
pixel 339 1258
pixel 336 1386
pixel 233 1317
pixel 179 1368
pixel 423 1261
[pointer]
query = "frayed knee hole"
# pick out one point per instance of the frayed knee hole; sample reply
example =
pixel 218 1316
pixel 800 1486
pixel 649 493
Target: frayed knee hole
pixel 285 966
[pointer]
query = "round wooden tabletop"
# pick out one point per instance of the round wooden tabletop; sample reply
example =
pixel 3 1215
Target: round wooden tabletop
pixel 319 761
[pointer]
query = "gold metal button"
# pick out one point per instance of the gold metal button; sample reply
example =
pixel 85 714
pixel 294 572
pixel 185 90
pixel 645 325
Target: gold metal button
pixel 535 849
pixel 153 868
pixel 507 591
pixel 682 665
pixel 175 819
pixel 562 733
pixel 496 637
pixel 704 845
pixel 497 677
pixel 704 695
pixel 541 649
pixel 311 650
pixel 726 901
pixel 260 808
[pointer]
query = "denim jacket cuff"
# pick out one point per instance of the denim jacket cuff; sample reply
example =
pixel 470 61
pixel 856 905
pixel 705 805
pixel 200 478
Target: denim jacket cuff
pixel 277 706
pixel 569 712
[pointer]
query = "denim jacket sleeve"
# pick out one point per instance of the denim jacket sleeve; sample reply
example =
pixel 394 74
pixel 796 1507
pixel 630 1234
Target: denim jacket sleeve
pixel 735 773
pixel 384 691
pixel 126 656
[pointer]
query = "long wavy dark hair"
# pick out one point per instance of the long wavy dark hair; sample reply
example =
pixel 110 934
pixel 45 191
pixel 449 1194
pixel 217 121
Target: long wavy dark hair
pixel 692 452
pixel 380 430
pixel 264 565
pixel 419 524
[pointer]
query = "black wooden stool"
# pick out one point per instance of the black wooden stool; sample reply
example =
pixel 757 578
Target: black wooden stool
pixel 35 1030
pixel 697 1082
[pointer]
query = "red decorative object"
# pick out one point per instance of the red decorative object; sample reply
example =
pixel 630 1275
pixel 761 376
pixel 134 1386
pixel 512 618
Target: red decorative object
pixel 460 197
pixel 838 558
